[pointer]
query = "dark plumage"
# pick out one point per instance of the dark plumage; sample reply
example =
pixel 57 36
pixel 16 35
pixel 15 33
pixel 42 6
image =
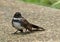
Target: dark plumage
pixel 21 23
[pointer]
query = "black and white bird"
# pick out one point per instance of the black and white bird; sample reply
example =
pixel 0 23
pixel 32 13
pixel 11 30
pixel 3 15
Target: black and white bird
pixel 21 23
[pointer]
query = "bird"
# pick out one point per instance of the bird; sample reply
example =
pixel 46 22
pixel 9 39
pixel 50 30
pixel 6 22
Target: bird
pixel 20 23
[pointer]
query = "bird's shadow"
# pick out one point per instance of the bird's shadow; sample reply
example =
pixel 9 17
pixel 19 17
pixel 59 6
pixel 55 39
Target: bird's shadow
pixel 33 31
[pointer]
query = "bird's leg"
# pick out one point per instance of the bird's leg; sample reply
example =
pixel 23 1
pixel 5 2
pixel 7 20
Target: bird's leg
pixel 15 32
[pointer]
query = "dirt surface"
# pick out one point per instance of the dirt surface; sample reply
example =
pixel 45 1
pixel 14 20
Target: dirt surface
pixel 45 17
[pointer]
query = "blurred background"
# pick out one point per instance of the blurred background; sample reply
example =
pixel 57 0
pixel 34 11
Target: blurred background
pixel 49 3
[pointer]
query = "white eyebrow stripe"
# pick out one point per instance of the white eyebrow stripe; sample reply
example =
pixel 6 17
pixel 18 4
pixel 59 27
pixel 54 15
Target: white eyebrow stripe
pixel 17 18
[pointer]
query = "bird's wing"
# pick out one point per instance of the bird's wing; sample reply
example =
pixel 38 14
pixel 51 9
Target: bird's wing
pixel 24 22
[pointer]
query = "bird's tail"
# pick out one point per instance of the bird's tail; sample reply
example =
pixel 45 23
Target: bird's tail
pixel 37 27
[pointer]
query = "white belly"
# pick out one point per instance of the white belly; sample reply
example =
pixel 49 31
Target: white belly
pixel 17 25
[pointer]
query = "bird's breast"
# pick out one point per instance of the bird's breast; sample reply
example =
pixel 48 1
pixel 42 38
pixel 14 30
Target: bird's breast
pixel 17 25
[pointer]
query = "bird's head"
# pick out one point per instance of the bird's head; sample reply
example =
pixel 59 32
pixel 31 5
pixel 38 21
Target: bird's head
pixel 17 15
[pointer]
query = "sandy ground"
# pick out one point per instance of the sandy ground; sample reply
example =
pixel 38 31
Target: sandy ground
pixel 45 17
